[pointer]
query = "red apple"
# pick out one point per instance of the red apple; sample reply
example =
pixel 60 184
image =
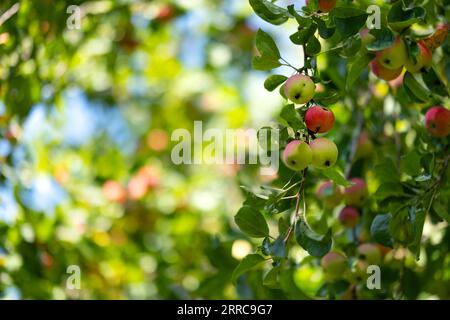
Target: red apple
pixel 437 121
pixel 384 73
pixel 319 119
pixel 349 217
pixel 356 194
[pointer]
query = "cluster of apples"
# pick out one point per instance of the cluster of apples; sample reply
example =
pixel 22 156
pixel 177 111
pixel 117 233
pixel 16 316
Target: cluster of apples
pixel 146 179
pixel 437 121
pixel 337 266
pixel 388 63
pixel 320 152
pixel 353 196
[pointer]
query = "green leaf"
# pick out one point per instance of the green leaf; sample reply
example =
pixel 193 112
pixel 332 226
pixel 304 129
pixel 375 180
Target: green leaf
pixel 269 12
pixel 417 220
pixel 441 210
pixel 302 21
pixel 277 249
pixel 356 67
pixel 283 225
pixel 325 32
pixel 248 263
pixel 416 88
pixel 302 36
pixel 434 82
pixel 252 222
pixel 336 176
pixel 350 47
pixel 329 96
pixel 384 38
pixel 410 163
pixel 402 226
pixel 292 117
pixel 400 18
pixel 271 278
pixel 379 230
pixel 269 54
pixel 316 245
pixel 348 21
pixel 313 47
pixel 274 81
pixel 389 189
pixel 387 171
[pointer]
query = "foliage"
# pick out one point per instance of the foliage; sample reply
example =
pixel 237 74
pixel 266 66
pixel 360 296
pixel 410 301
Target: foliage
pixel 86 176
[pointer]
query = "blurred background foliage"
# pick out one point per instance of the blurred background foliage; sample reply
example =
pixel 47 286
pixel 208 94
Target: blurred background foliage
pixel 86 118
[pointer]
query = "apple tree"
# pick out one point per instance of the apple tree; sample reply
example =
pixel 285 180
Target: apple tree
pixel 363 191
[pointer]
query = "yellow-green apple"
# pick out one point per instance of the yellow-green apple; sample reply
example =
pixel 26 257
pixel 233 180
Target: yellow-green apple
pixel 437 121
pixel 423 59
pixel 393 57
pixel 369 252
pixel 349 217
pixel 297 155
pixel 334 265
pixel 329 193
pixel 324 153
pixel 319 119
pixel 384 73
pixel 355 194
pixel 299 88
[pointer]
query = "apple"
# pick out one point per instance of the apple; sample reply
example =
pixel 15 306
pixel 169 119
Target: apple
pixel 349 217
pixel 355 194
pixel 369 252
pixel 364 147
pixel 393 57
pixel 299 88
pixel 329 193
pixel 324 153
pixel 319 119
pixel 423 59
pixel 334 265
pixel 297 155
pixel 326 5
pixel 384 73
pixel 437 121
pixel 114 191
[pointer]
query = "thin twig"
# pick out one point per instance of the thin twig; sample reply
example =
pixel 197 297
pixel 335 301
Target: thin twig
pixel 297 206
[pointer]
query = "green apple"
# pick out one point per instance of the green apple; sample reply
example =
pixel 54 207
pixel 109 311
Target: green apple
pixel 299 88
pixel 393 57
pixel 334 265
pixel 297 155
pixel 423 59
pixel 324 153
pixel 370 253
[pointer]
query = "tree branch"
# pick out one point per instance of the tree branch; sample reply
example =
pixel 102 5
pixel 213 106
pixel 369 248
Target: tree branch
pixel 9 13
